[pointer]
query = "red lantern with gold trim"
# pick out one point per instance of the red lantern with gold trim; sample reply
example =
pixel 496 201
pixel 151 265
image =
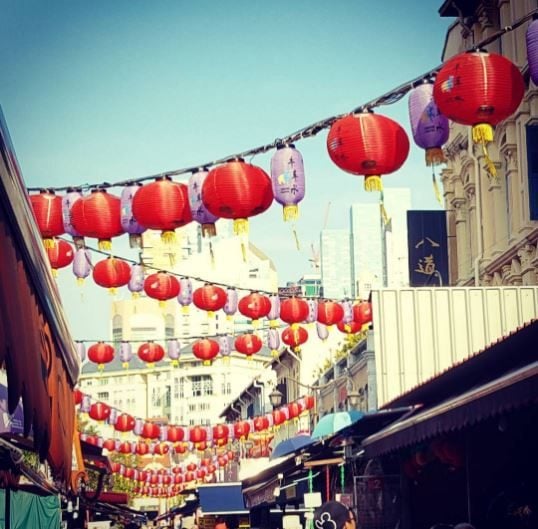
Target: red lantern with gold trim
pixel 99 411
pixel 77 396
pixel 162 205
pixel 294 337
pixel 261 423
pixel 237 190
pixel 210 298
pixel 279 417
pixel 309 402
pixel 330 312
pixel 293 310
pixel 150 353
pixel 124 423
pixel 109 444
pixel 60 254
pixel 368 144
pixel 205 350
pixel 351 327
pixel 101 353
pixel 161 286
pixel 111 273
pixel 362 312
pixel 197 434
pixel 175 434
pixel 479 89
pixel 241 430
pixel 248 344
pixel 221 432
pixel 47 208
pixel 255 306
pixel 294 410
pixel 161 449
pixel 150 430
pixel 98 215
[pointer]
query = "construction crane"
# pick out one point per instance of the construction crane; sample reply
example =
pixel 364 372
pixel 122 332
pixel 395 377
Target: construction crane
pixel 315 253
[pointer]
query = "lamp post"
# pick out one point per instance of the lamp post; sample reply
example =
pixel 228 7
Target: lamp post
pixel 275 398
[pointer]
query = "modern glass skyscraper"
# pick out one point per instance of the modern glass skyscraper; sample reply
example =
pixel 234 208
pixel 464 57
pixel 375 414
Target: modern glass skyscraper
pixel 335 262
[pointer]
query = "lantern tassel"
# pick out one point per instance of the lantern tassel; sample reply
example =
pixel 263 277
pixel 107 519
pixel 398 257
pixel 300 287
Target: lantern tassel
pixel 373 183
pixel 483 134
pixel 274 353
pixel 436 190
pixel 273 324
pixel 49 243
pixel 185 309
pixel 240 226
pixel 175 363
pixel 296 237
pixel 290 212
pixel 125 365
pixel 105 245
pixel 80 281
pixel 162 304
pixel 168 237
pixel 54 272
pixel 435 156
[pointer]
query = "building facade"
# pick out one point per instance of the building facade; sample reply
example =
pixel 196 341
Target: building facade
pixel 492 223
pixel 335 263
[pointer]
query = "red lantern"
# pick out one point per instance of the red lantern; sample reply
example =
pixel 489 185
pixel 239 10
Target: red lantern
pixel 368 144
pixel 294 410
pixel 109 444
pixel 115 466
pixel 237 190
pixel 205 350
pixel 209 298
pixel 197 434
pixel 191 467
pixel 150 353
pixel 161 449
pixel 161 286
pixel 241 430
pixel 294 337
pixel 175 434
pixel 201 473
pixel 309 402
pixel 255 306
pixel 77 396
pixel 124 423
pixel 142 448
pixel 362 313
pixel 351 327
pixel 221 432
pixel 222 461
pixel 99 411
pixel 129 473
pixel 278 417
pixel 190 476
pixel 178 479
pixel 98 215
pixel 479 89
pixel 293 310
pixel 60 254
pixel 125 448
pixel 47 209
pixel 330 312
pixel 180 448
pixel 162 205
pixel 248 344
pixel 205 461
pixel 101 353
pixel 211 469
pixel 150 430
pixel 261 423
pixel 111 273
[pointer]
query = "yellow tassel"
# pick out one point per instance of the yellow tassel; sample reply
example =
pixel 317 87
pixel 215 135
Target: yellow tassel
pixel 162 304
pixel 384 214
pixel 175 363
pixel 150 365
pixel 240 226
pixel 206 362
pixel 54 272
pixel 229 317
pixel 483 134
pixel 294 326
pixel 112 291
pixel 436 190
pixel 80 281
pixel 273 324
pixel 226 360
pixel 135 295
pixel 185 309
pixel 291 212
pixel 104 245
pixel 168 237
pixel 125 365
pixel 373 183
pixel 274 353
pixel 255 324
pixel 435 156
pixel 100 367
pixel 244 251
pixel 49 243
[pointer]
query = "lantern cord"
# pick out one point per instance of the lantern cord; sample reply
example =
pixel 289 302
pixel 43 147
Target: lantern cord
pixel 389 98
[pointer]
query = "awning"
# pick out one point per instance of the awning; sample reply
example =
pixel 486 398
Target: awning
pixel 512 390
pixel 221 498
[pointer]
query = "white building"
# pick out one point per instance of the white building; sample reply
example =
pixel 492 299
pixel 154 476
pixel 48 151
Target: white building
pixel 335 263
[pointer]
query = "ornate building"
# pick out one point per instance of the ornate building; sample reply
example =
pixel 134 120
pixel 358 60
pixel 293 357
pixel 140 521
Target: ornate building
pixel 493 223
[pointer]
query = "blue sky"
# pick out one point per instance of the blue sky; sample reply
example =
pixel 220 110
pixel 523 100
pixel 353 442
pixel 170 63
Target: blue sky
pixel 107 90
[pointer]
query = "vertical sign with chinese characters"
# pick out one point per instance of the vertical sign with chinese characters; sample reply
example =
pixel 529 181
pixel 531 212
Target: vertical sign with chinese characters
pixel 428 250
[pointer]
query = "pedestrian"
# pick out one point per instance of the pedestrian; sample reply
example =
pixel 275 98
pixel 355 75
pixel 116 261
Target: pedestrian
pixel 334 515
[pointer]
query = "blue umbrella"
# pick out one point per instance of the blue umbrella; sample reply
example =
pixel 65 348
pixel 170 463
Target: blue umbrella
pixel 333 422
pixel 288 446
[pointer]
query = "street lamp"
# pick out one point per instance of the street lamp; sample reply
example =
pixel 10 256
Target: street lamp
pixel 353 399
pixel 275 397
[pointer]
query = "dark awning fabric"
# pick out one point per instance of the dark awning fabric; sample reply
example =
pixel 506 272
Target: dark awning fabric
pixel 223 498
pixel 512 390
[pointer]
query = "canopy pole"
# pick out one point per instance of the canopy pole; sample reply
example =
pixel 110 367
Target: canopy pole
pixel 327 484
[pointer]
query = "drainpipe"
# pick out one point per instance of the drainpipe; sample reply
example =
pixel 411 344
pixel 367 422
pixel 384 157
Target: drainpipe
pixel 261 387
pixel 478 211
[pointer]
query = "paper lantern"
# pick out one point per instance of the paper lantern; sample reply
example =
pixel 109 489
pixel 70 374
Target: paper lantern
pixel 111 273
pixel 161 286
pixel 368 144
pixel 184 297
pixel 294 410
pixel 349 328
pixel 109 444
pixel 175 434
pixel 293 310
pixel 241 431
pixel 60 254
pixel 77 396
pixel 322 331
pixel 67 201
pixel 173 349
pixel 97 215
pixel 278 417
pixel 128 220
pixel 150 353
pixel 479 89
pixel 162 205
pixel 273 341
pixel 136 281
pixel 225 346
pixel 237 190
pixel 47 208
pixel 362 313
pixel 531 38
pixel 230 307
pixel 99 411
pixel 101 353
pixel 124 423
pixel 150 430
pixel 329 312
pixel 248 344
pixel 205 350
pixel 310 402
pixel 275 310
pixel 294 337
pixel 200 213
pixel 197 434
pixel 210 298
pixel 429 126
pixel 261 423
pixel 142 448
pixel 254 306
pixel 287 176
pixel 221 432
pixel 312 311
pixel 82 264
pixel 161 449
pixel 347 305
pixel 125 354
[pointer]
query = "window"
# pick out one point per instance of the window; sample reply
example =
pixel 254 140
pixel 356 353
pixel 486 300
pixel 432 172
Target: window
pixel 201 385
pixel 103 381
pixel 102 395
pixel 532 165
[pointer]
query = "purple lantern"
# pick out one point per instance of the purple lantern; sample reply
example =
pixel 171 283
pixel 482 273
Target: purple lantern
pixel 199 212
pixel 274 313
pixel 139 425
pixel 323 332
pixel 230 308
pixel 347 305
pixel 85 404
pixel 287 175
pixel 163 433
pixel 82 264
pixel 136 282
pixel 273 341
pixel 312 311
pixel 429 126
pixel 532 49
pixel 225 345
pixel 81 350
pixel 172 350
pixel 128 222
pixel 113 417
pixel 125 354
pixel 67 201
pixel 184 297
